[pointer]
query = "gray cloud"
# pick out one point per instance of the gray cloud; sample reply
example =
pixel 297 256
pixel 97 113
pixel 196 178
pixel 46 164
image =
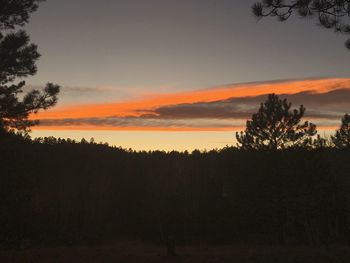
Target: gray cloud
pixel 71 95
pixel 332 104
pixel 218 110
pixel 143 122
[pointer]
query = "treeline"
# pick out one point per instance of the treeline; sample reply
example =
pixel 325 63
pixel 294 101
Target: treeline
pixel 61 192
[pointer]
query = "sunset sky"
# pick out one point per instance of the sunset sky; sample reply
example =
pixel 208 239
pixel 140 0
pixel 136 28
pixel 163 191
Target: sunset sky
pixel 184 74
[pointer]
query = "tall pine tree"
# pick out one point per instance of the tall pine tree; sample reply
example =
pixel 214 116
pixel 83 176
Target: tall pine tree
pixel 18 57
pixel 275 126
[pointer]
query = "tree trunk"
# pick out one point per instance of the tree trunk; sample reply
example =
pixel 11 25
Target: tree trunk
pixel 170 246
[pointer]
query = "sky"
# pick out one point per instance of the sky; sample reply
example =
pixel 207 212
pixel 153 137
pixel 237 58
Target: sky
pixel 184 74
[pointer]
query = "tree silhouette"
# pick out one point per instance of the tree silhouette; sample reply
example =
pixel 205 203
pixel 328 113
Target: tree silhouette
pixel 275 126
pixel 341 139
pixel 322 142
pixel 18 59
pixel 331 14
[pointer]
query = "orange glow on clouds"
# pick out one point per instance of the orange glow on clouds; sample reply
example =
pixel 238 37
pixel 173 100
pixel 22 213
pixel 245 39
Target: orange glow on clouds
pixel 141 106
pixel 134 128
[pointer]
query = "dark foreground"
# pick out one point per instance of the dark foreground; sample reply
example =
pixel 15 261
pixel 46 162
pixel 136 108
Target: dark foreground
pixel 139 252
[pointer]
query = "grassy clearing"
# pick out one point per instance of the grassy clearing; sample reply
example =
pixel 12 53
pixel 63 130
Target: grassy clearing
pixel 134 252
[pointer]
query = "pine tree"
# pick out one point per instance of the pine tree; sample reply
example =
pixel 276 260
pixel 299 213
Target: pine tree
pixel 18 59
pixel 275 126
pixel 341 139
pixel 331 14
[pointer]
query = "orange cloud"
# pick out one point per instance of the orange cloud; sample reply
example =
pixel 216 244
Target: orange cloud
pixel 137 108
pixel 134 128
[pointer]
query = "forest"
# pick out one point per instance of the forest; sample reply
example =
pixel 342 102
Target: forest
pixel 62 192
